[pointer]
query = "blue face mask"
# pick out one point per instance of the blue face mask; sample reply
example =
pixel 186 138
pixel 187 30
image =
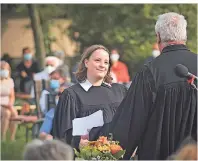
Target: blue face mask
pixel 27 56
pixel 54 84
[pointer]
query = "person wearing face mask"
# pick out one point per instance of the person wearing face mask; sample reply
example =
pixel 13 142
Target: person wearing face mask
pixel 95 92
pixel 57 84
pixel 7 98
pixel 26 69
pixel 51 63
pixel 155 53
pixel 119 69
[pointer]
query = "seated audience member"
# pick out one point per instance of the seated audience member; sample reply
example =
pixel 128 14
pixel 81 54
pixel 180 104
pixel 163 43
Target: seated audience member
pixel 57 85
pixel 27 68
pixel 48 150
pixel 28 94
pixel 52 63
pixel 7 98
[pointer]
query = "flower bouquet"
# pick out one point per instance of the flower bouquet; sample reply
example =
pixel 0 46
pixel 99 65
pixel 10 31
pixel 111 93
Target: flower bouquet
pixel 101 149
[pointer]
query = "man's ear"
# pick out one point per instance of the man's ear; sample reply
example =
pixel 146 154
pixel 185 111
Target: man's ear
pixel 158 38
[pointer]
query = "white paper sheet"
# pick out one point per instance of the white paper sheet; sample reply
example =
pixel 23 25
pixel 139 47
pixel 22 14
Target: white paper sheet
pixel 82 126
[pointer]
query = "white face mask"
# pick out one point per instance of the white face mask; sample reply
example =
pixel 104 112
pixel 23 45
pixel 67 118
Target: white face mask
pixel 4 73
pixel 155 53
pixel 49 69
pixel 114 57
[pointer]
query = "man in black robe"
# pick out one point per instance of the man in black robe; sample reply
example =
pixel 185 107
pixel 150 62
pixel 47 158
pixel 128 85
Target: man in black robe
pixel 160 109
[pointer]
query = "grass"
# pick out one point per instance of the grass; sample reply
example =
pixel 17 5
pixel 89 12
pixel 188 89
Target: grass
pixel 14 150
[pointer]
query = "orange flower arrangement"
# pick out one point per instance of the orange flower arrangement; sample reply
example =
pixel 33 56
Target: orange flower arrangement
pixel 101 149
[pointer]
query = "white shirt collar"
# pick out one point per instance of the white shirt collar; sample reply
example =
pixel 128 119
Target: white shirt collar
pixel 86 85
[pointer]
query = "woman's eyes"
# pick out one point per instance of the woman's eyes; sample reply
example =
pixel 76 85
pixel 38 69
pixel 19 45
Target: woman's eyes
pixel 98 60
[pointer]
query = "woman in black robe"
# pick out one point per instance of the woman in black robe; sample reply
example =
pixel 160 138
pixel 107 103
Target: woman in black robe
pixel 94 92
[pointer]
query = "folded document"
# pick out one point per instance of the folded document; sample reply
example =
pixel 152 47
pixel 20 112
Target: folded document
pixel 82 126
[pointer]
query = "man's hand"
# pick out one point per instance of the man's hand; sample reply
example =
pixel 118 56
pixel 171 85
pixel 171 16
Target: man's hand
pixel 23 74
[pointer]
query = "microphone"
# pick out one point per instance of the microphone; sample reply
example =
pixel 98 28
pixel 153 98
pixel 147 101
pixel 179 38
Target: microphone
pixel 182 71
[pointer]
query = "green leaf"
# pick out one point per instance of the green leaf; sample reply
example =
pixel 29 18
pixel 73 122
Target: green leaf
pixel 119 154
pixel 76 153
pixel 96 153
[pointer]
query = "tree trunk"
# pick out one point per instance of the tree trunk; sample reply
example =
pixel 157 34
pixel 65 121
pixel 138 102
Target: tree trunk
pixel 38 34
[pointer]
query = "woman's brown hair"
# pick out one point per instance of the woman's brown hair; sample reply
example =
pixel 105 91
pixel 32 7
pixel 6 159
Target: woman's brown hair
pixel 81 74
pixel 3 65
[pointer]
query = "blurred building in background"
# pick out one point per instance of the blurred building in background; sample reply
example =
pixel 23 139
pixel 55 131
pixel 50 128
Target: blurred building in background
pixel 17 34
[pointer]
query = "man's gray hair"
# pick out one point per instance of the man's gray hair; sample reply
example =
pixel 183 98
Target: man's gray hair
pixel 48 150
pixel 171 27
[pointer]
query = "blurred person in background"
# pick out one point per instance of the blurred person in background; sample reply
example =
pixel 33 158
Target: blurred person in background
pixel 155 53
pixel 48 150
pixel 119 69
pixel 58 82
pixel 6 57
pixel 51 63
pixel 27 68
pixel 62 63
pixel 7 101
pixel 61 56
pixel 28 96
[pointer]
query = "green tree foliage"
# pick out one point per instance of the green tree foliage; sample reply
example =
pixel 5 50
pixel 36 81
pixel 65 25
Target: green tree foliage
pixel 128 27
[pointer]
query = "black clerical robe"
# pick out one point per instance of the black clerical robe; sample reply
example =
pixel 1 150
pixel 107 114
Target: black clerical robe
pixel 159 111
pixel 76 102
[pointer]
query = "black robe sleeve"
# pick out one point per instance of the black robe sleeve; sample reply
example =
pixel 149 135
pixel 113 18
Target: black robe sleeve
pixel 131 117
pixel 66 110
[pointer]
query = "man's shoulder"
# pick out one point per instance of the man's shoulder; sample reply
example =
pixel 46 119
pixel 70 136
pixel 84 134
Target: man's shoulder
pixel 35 62
pixel 20 65
pixel 192 53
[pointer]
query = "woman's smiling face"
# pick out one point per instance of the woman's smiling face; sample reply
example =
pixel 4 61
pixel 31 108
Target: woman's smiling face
pixel 98 64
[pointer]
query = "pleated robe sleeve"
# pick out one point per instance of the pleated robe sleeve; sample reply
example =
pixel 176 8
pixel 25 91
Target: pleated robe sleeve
pixel 66 110
pixel 131 117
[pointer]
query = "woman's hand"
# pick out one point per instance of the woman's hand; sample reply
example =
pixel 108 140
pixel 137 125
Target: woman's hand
pixel 83 142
